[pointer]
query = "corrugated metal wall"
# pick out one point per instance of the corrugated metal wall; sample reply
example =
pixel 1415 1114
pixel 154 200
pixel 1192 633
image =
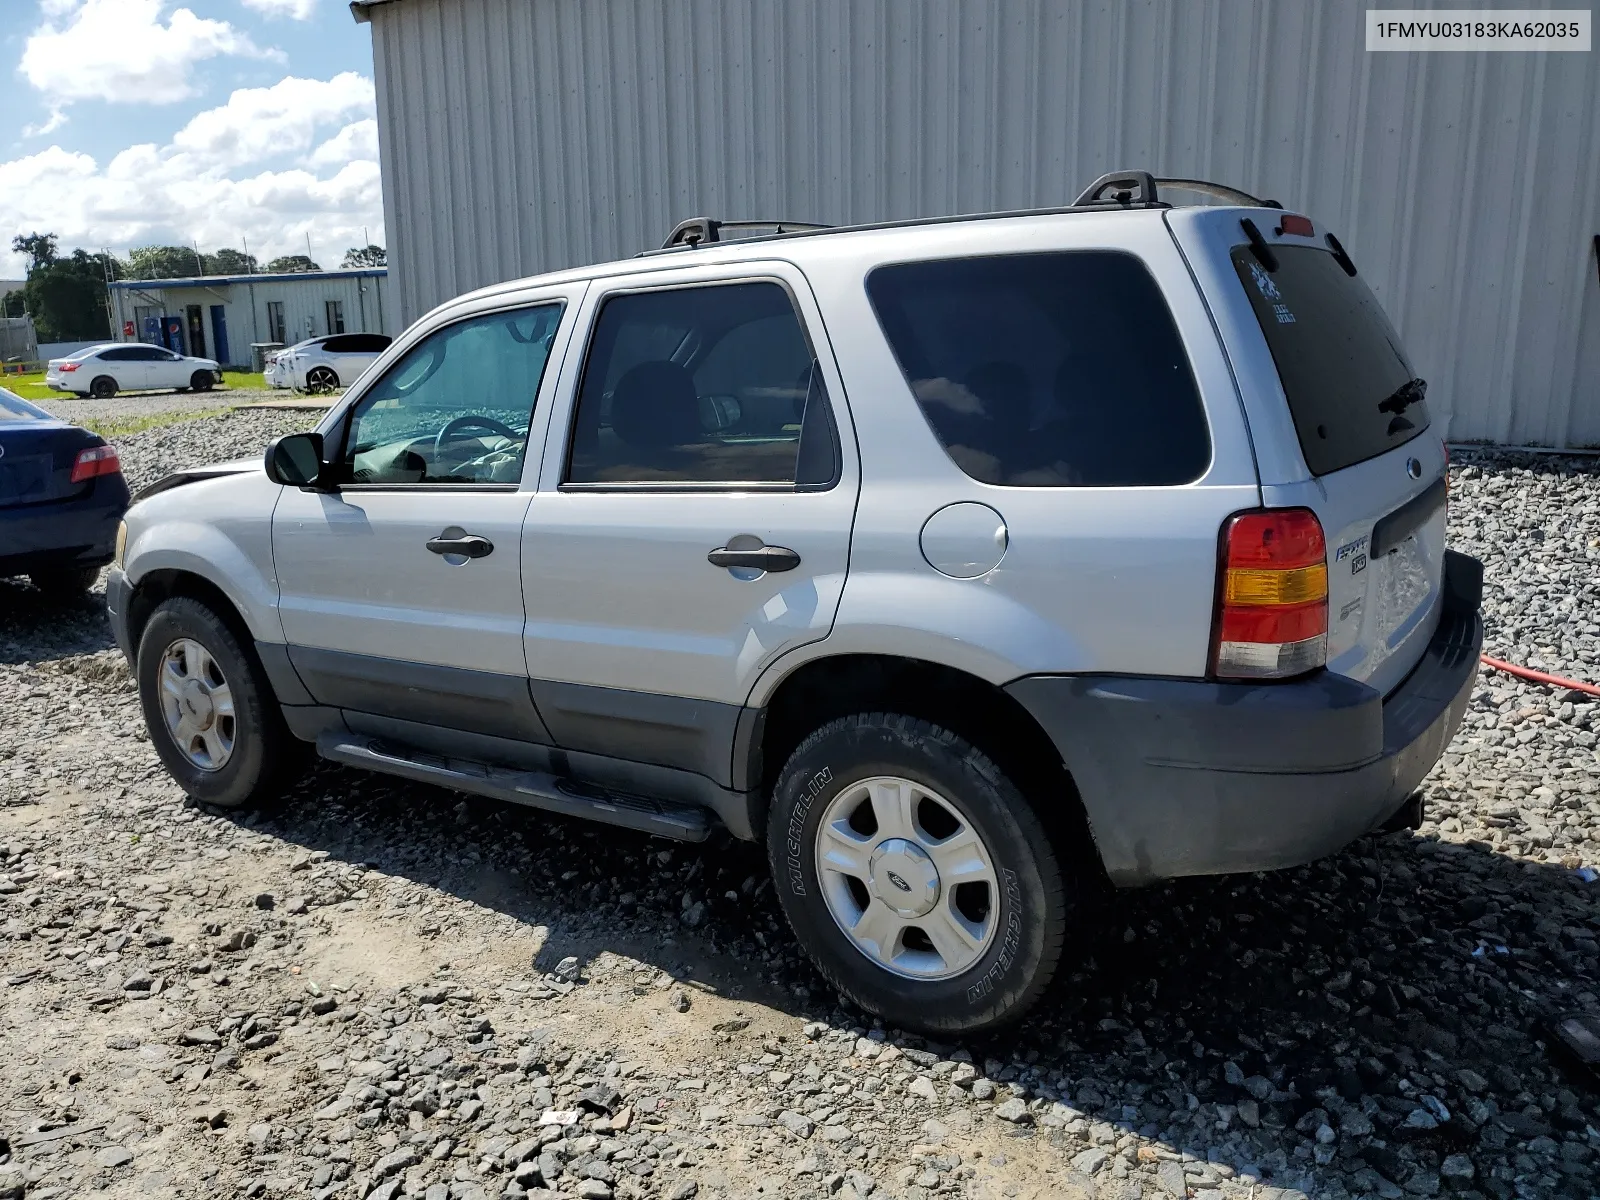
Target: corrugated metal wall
pixel 523 135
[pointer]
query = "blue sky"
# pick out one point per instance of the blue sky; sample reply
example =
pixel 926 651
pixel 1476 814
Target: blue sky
pixel 131 122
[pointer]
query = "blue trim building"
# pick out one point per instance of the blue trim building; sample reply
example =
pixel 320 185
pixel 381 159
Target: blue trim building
pixel 223 316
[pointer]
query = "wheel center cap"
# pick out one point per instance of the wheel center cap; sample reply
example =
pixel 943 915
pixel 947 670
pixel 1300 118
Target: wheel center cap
pixel 904 877
pixel 197 704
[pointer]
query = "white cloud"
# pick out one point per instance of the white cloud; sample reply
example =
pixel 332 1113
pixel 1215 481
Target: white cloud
pixel 50 124
pixel 300 10
pixel 356 141
pixel 217 181
pixel 261 123
pixel 120 50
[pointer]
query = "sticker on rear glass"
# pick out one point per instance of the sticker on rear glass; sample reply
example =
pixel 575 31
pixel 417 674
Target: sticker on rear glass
pixel 1270 293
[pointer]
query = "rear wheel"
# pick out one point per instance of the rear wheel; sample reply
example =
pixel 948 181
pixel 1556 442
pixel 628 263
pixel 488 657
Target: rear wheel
pixel 210 710
pixel 321 379
pixel 66 584
pixel 916 875
pixel 103 388
pixel 202 381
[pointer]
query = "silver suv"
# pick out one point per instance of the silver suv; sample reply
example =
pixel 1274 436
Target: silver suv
pixel 971 564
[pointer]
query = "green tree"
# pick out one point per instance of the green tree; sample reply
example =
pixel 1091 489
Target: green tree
pixel 163 262
pixel 231 262
pixel 366 256
pixel 291 264
pixel 39 247
pixel 67 297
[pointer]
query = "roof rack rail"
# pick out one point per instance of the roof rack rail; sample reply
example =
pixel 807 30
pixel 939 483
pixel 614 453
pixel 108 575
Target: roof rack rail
pixel 699 231
pixel 1120 188
pixel 1220 191
pixel 1140 189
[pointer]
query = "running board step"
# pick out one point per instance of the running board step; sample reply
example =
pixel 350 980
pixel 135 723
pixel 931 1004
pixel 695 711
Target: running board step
pixel 536 789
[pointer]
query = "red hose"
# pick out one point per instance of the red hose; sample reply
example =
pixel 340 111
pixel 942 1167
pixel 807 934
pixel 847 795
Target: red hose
pixel 1539 676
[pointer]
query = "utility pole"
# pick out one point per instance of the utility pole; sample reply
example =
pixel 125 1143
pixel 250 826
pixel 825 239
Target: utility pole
pixel 199 262
pixel 249 266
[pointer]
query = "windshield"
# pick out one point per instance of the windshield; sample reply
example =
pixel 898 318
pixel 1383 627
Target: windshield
pixel 1351 390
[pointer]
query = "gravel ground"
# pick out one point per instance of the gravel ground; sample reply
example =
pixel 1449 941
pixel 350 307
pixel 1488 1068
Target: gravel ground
pixel 145 404
pixel 384 990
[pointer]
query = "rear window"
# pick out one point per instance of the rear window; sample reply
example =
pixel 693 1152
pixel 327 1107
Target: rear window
pixel 1351 390
pixel 14 408
pixel 1047 370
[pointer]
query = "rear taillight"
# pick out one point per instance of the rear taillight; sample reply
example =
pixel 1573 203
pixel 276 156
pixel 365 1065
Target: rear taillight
pixel 1272 603
pixel 97 460
pixel 65 367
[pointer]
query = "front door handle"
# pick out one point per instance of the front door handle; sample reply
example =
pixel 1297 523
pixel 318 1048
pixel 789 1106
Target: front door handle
pixel 469 545
pixel 756 557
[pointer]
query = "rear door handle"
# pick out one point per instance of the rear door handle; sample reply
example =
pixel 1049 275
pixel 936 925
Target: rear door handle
pixel 756 558
pixel 469 545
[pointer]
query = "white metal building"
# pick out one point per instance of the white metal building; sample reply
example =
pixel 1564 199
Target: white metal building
pixel 222 316
pixel 519 136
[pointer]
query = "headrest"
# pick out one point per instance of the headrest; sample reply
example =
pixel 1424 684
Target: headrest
pixel 655 406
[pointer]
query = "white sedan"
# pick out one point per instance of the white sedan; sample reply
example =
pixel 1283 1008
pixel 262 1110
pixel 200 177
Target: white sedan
pixel 324 364
pixel 103 371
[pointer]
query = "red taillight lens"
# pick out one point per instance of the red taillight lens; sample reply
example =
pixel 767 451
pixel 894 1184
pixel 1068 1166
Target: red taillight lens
pixel 1272 603
pixel 98 460
pixel 65 367
pixel 1295 224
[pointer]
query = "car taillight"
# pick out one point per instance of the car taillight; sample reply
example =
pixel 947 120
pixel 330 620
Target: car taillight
pixel 1272 602
pixel 97 460
pixel 65 367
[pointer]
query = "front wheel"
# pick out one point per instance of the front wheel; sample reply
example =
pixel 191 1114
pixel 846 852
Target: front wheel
pixel 210 710
pixel 201 381
pixel 916 875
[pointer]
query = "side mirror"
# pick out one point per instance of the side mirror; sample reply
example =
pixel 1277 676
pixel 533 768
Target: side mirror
pixel 295 459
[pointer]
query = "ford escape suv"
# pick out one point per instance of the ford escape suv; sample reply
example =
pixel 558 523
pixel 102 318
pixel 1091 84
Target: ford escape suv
pixel 970 564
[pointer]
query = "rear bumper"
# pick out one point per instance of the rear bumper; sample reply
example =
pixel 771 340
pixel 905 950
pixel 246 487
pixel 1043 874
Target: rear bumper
pixel 1185 777
pixel 73 533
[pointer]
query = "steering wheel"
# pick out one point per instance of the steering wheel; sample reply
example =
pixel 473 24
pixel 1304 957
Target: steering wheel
pixel 454 427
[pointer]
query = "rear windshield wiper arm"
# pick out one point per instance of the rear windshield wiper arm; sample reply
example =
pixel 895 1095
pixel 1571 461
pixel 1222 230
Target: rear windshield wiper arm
pixel 1403 397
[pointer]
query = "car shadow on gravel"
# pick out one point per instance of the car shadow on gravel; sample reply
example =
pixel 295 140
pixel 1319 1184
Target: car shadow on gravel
pixel 1374 1016
pixel 35 628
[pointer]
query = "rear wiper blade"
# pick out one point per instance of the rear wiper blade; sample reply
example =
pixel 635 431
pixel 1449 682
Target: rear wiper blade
pixel 1403 397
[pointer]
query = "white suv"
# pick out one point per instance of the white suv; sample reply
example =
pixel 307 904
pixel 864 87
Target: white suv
pixel 971 564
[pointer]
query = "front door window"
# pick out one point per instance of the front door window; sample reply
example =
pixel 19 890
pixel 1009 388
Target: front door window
pixel 456 408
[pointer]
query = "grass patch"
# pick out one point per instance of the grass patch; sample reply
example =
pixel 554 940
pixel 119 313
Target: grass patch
pixel 32 387
pixel 111 428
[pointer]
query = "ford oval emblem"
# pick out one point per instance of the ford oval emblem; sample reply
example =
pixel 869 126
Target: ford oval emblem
pixel 2 451
pixel 898 882
pixel 1414 468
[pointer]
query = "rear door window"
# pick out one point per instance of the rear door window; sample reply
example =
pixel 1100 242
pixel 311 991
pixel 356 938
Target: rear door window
pixel 1351 390
pixel 702 385
pixel 1047 370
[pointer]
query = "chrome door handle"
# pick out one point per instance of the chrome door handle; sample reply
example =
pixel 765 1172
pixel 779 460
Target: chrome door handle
pixel 756 558
pixel 469 545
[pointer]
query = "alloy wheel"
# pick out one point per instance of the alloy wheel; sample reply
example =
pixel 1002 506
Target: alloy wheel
pixel 907 878
pixel 197 704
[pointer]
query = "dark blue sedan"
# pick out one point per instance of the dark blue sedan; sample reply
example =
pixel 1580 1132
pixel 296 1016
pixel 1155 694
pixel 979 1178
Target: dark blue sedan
pixel 62 496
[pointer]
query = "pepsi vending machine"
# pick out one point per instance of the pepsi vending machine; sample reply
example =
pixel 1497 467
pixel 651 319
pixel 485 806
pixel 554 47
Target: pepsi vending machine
pixel 174 330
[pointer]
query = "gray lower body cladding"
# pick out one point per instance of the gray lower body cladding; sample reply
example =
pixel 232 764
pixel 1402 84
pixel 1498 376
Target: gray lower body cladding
pixel 1189 777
